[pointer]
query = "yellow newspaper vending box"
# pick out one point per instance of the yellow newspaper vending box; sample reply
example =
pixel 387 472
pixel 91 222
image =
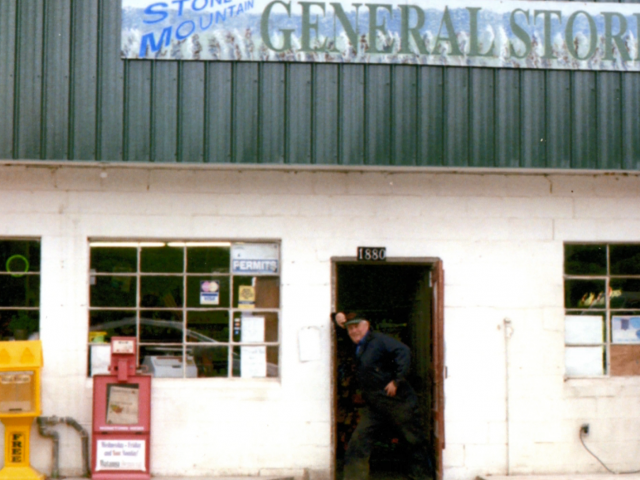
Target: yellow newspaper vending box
pixel 20 365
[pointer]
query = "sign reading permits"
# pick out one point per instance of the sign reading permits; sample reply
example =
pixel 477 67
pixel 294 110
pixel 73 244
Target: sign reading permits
pixel 372 254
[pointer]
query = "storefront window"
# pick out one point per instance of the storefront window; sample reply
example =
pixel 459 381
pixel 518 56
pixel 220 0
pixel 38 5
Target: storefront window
pixel 19 289
pixel 197 309
pixel 602 307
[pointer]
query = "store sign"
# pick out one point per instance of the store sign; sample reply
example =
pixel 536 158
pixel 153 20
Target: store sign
pixel 255 258
pixel 506 34
pixel 121 455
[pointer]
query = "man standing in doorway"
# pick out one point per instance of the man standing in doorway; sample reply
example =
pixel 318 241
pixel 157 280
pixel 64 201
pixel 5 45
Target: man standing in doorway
pixel 382 364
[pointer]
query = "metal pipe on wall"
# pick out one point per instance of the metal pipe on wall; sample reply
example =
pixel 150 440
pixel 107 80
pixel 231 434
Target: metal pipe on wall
pixel 508 331
pixel 44 422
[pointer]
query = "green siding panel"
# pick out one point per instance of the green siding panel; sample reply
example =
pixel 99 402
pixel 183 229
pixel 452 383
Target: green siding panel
pixel 28 85
pixel 630 121
pixel 584 138
pixel 272 113
pixel 431 117
pixel 378 115
pixel 138 112
pixel 110 115
pixel 404 115
pixel 245 103
pixel 507 128
pixel 558 134
pixel 352 115
pixel 482 120
pixel 164 122
pixel 609 120
pixel 56 81
pixel 533 116
pixel 456 105
pixel 191 112
pixel 298 111
pixel 219 112
pixel 84 73
pixel 325 112
pixel 7 78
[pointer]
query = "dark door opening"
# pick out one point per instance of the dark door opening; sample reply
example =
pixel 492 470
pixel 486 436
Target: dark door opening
pixel 400 299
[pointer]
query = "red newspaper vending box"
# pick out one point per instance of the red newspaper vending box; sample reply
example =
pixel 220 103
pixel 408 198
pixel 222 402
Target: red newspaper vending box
pixel 121 417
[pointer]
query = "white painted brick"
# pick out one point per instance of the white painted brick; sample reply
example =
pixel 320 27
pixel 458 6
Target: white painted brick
pixel 609 208
pixel 528 186
pixel 521 207
pixel 367 183
pixel 467 432
pixel 453 455
pixel 573 185
pixel 618 186
pixel 22 177
pixel 465 185
pixel 417 184
pixel 488 457
pixel 497 433
pixel 588 230
pixel 123 179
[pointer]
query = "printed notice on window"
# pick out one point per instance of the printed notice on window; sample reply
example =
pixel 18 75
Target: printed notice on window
pixel 252 329
pixel 122 405
pixel 121 455
pixel 253 362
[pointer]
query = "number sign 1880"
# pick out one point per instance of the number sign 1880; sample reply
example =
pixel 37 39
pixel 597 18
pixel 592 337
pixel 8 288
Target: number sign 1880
pixel 372 254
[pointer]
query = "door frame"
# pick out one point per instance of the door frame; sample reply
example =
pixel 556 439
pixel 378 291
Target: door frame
pixel 437 283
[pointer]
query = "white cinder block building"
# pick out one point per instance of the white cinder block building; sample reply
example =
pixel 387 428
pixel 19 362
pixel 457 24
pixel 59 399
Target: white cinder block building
pixel 509 405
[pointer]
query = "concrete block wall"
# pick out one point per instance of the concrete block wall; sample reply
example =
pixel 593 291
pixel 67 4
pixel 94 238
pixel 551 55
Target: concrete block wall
pixel 509 408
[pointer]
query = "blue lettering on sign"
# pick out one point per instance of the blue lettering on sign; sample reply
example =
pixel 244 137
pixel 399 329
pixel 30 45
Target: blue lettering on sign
pixel 151 10
pixel 149 40
pixel 207 13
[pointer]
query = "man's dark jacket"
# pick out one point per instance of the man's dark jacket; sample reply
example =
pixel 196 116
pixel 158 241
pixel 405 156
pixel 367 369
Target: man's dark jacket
pixel 380 360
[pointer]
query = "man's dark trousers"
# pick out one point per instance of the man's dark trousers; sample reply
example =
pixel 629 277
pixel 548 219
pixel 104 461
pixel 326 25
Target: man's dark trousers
pixel 381 412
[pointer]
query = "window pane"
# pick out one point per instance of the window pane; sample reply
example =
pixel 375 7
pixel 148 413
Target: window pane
pixel 624 360
pixel 585 259
pixel 162 292
pixel 207 291
pixel 625 259
pixel 255 362
pixel 161 326
pixel 245 326
pixel 625 293
pixel 584 329
pixel 208 259
pixel 107 291
pixel 20 256
pixel 165 361
pixel 256 292
pixel 162 259
pixel 21 291
pixel 584 294
pixel 19 324
pixel 625 328
pixel 211 361
pixel 584 361
pixel 210 326
pixel 114 260
pixel 114 323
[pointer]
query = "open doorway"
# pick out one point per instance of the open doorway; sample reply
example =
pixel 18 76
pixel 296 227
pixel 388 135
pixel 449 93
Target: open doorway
pixel 402 299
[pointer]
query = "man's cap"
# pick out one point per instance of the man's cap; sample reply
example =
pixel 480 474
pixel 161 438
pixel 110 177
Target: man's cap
pixel 354 318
